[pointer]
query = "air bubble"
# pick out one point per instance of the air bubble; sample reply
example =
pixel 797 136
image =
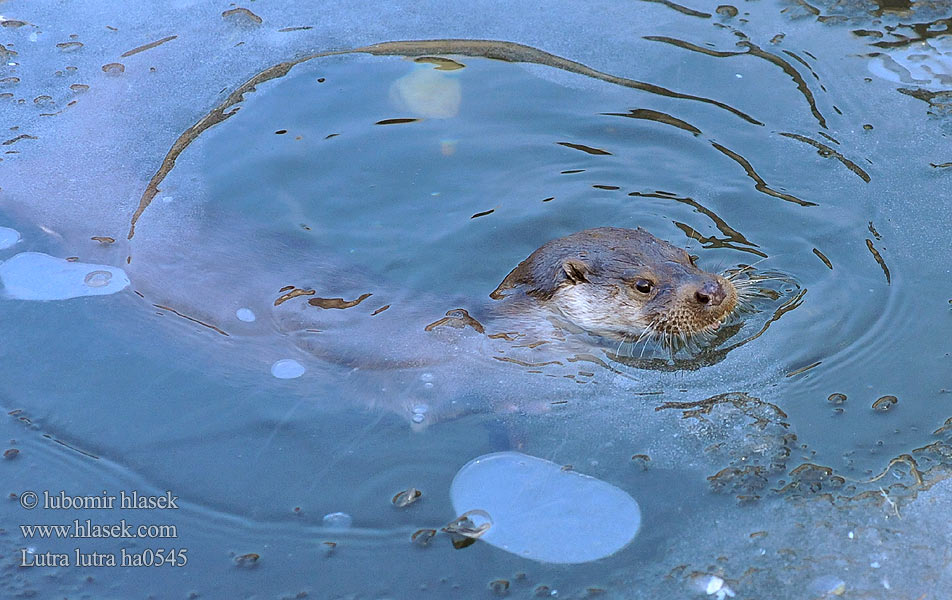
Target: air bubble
pixel 287 368
pixel 406 497
pixel 338 520
pixel 837 399
pixel 885 403
pixel 97 279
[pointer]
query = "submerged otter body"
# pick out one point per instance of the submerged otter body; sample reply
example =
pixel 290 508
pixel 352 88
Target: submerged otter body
pixel 620 284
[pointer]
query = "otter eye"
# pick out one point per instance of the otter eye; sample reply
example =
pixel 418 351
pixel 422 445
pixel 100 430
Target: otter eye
pixel 643 286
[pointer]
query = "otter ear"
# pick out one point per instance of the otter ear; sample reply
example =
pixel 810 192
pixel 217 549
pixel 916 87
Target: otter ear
pixel 575 270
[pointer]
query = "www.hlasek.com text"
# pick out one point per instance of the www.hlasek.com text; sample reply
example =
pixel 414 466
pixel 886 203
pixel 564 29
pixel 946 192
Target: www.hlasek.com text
pixel 87 529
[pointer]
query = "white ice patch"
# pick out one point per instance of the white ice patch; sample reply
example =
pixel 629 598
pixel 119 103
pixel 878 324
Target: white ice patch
pixel 245 314
pixel 8 237
pixel 287 368
pixel 37 276
pixel 926 64
pixel 543 512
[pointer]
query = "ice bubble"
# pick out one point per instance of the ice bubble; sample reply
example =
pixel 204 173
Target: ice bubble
pixel 113 68
pixel 542 512
pixel 8 237
pixel 338 520
pixel 712 585
pixel 419 412
pixel 287 368
pixel 97 278
pixel 245 314
pixel 37 276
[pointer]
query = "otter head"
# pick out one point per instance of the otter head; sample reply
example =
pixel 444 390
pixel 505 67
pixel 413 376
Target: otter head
pixel 623 284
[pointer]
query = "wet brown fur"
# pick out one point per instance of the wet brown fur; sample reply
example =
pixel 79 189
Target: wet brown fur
pixel 590 278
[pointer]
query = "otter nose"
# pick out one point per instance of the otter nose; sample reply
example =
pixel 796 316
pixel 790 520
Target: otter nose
pixel 711 293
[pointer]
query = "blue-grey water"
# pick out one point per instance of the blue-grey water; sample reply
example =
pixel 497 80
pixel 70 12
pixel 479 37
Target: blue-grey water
pixel 812 137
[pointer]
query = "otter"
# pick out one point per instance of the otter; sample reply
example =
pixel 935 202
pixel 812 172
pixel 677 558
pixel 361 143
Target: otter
pixel 620 284
pixel 555 322
pixel 598 287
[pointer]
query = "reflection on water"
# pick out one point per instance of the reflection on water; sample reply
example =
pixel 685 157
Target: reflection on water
pixel 428 92
pixel 310 239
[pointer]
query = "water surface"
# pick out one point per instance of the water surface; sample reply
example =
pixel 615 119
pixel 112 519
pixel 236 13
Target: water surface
pixel 778 132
